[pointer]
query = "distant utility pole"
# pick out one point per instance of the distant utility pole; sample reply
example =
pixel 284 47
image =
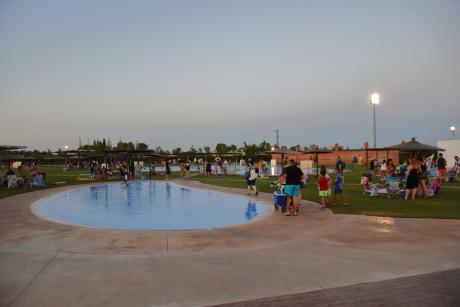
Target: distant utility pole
pixel 277 135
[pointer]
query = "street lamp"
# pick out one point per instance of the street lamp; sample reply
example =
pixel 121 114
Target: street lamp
pixel 452 129
pixel 375 100
pixel 66 147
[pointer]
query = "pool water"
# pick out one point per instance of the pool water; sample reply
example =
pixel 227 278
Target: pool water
pixel 148 205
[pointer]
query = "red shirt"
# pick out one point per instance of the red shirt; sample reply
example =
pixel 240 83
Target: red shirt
pixel 323 183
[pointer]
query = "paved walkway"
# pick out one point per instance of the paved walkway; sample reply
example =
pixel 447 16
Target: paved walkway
pixel 49 264
pixel 439 289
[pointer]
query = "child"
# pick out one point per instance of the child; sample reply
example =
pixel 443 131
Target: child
pixel 323 187
pixel 338 188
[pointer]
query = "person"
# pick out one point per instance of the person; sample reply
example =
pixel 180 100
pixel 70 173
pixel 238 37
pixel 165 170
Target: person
pixel 391 168
pixel 383 170
pixel 251 177
pixel 187 168
pixel 124 174
pixel 442 164
pixel 292 176
pixel 323 187
pixel 423 176
pixel 167 170
pixel 152 170
pixel 372 166
pixel 339 165
pixel 413 178
pixel 360 160
pixel 208 168
pixel 456 168
pixel 338 188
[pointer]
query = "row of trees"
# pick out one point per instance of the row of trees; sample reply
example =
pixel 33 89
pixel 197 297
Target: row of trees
pixel 250 150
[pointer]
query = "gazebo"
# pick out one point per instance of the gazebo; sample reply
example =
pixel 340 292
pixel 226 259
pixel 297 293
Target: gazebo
pixel 414 146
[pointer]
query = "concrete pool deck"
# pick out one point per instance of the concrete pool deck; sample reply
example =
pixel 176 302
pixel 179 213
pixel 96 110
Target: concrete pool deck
pixel 50 264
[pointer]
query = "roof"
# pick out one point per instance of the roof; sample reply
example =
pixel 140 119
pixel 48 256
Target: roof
pixel 413 145
pixel 283 151
pixel 11 147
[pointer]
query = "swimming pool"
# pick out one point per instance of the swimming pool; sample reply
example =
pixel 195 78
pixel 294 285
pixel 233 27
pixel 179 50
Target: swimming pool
pixel 148 205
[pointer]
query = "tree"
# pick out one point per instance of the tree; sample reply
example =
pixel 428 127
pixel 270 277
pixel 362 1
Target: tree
pixel 142 146
pixel 176 151
pixel 207 149
pixel 221 148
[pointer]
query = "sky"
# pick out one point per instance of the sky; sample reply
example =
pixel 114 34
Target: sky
pixel 180 73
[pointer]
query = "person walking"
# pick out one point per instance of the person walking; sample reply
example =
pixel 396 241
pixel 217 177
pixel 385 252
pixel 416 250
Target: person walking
pixel 251 178
pixel 292 176
pixel 338 189
pixel 323 187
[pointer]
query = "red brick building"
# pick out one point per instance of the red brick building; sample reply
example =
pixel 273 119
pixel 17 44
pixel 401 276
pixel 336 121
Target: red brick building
pixel 364 155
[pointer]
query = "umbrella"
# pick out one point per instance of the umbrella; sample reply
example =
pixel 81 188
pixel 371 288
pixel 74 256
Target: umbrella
pixel 414 146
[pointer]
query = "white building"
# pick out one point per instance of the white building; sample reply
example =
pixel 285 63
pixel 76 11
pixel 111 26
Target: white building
pixel 452 148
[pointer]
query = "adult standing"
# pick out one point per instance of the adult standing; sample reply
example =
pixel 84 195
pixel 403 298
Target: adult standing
pixel 456 168
pixel 413 178
pixel 251 177
pixel 442 164
pixel 167 170
pixel 292 176
pixel 339 165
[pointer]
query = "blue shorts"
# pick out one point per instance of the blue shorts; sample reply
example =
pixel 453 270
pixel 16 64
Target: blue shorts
pixel 338 190
pixel 292 189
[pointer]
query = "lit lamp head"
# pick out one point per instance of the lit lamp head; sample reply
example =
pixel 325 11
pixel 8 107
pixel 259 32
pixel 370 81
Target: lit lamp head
pixel 452 128
pixel 66 147
pixel 375 99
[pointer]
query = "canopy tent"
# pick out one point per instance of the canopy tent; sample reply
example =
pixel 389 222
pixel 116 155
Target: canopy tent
pixel 414 146
pixel 11 147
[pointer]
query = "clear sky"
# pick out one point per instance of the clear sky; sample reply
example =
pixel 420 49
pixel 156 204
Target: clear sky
pixel 177 73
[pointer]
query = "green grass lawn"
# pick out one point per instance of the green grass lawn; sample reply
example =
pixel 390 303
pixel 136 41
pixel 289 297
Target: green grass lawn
pixel 444 205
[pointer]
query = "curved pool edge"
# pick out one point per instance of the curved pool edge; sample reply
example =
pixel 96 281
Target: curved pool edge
pixel 177 182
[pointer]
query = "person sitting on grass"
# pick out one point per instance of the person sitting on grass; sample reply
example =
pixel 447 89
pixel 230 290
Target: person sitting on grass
pixel 323 187
pixel 338 188
pixel 292 176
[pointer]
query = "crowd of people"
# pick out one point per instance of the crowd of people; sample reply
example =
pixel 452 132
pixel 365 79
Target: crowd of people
pixel 418 176
pixel 26 176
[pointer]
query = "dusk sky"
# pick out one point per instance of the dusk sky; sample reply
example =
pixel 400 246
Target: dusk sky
pixel 182 73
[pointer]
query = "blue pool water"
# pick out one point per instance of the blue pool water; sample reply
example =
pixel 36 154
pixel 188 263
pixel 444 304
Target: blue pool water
pixel 145 205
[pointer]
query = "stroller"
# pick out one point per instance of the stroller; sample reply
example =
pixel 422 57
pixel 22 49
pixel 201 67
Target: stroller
pixel 394 187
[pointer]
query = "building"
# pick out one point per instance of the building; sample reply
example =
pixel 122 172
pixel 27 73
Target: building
pixel 452 148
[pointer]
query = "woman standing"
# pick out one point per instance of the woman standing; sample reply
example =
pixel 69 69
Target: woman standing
pixel 423 176
pixel 413 178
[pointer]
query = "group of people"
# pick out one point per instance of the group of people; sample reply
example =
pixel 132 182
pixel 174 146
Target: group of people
pixel 292 180
pixel 35 178
pixel 422 177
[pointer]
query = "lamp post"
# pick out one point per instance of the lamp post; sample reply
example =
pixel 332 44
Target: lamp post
pixel 452 129
pixel 375 100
